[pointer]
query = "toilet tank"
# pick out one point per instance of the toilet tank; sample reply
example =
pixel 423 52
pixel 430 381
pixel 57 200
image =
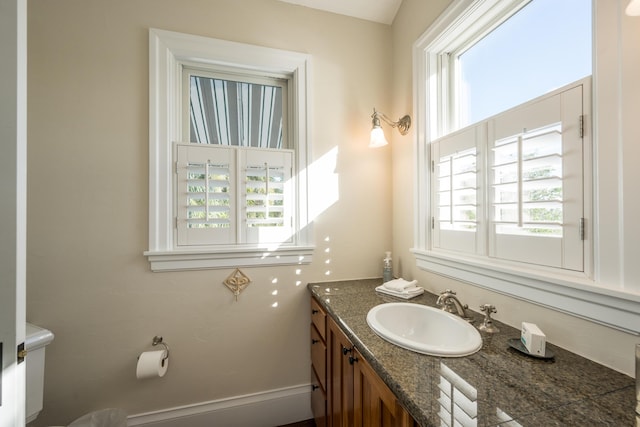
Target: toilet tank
pixel 36 339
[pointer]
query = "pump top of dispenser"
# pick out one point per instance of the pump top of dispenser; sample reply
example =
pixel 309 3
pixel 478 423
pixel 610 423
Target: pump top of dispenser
pixel 387 269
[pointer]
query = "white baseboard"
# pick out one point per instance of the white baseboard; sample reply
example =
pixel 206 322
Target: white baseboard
pixel 265 409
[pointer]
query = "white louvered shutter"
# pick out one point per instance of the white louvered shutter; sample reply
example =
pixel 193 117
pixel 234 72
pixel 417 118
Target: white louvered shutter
pixel 267 194
pixel 233 195
pixel 536 189
pixel 457 196
pixel 206 195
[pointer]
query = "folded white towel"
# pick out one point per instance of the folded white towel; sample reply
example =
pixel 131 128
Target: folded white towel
pixel 400 285
pixel 406 294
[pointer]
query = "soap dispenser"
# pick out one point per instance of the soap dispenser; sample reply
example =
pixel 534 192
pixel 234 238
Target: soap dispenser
pixel 387 268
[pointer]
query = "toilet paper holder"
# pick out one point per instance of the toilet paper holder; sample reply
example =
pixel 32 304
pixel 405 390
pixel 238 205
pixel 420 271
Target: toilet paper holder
pixel 158 340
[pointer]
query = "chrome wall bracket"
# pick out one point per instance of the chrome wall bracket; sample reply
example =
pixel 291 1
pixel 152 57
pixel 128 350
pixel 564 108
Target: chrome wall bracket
pixel 158 340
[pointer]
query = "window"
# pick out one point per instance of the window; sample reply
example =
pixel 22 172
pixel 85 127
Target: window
pixel 511 63
pixel 526 203
pixel 228 154
pixel 525 228
pixel 234 178
pixel 245 112
pixel 531 188
pixel 487 56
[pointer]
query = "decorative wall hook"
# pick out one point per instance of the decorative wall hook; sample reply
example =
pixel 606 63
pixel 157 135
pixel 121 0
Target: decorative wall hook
pixel 237 282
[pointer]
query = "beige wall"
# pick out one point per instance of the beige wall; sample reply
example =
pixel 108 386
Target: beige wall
pixel 617 93
pixel 88 204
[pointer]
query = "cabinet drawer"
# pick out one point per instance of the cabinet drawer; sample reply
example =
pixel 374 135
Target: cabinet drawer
pixel 319 356
pixel 318 402
pixel 319 318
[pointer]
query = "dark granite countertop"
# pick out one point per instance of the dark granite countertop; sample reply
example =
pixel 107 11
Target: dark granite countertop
pixel 504 387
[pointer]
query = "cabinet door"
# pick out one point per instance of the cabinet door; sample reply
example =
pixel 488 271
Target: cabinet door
pixel 318 318
pixel 319 357
pixel 340 376
pixel 318 364
pixel 318 401
pixel 374 403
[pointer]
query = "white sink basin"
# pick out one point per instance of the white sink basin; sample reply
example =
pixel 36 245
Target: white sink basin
pixel 424 329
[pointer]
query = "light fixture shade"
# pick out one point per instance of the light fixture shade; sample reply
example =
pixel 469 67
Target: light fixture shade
pixel 377 138
pixel 633 9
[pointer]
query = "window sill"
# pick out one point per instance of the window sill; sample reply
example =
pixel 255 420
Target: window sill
pixel 571 293
pixel 178 260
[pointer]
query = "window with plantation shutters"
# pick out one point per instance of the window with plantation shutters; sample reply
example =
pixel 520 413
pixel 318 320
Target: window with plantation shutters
pixel 526 204
pixel 231 195
pixel 551 195
pixel 228 154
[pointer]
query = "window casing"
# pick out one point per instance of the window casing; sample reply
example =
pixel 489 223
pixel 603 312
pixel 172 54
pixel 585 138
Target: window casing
pixel 268 218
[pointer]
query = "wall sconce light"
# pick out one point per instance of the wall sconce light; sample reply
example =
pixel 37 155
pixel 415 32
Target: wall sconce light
pixel 633 9
pixel 377 135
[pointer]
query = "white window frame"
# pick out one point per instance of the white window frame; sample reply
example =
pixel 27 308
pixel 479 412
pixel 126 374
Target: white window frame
pixel 574 293
pixel 168 53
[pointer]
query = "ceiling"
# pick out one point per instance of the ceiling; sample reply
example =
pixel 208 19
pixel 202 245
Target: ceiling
pixel 382 11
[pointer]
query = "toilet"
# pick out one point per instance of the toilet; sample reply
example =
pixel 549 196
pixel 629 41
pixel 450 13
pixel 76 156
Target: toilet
pixel 36 339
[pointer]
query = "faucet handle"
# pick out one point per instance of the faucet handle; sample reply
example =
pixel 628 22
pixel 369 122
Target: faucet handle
pixel 489 309
pixel 447 291
pixel 487 324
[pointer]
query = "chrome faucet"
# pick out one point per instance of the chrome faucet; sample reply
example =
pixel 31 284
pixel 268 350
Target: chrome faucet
pixel 451 304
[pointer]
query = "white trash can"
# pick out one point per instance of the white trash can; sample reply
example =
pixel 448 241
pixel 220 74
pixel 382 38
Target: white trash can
pixel 103 418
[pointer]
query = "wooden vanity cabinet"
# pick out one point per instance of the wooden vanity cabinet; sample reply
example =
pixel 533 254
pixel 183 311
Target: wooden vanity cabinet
pixel 318 364
pixel 375 404
pixel 356 395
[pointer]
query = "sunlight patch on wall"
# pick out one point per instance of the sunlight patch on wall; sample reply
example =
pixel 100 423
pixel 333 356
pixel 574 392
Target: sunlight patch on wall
pixel 327 251
pixel 323 184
